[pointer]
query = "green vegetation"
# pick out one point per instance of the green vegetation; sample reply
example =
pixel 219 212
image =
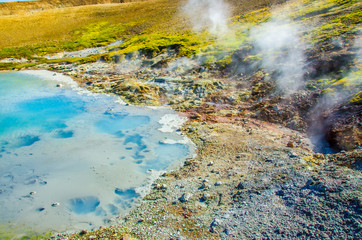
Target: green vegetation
pixel 254 17
pixel 153 27
pixel 93 35
pixel 186 44
pixel 346 85
pixel 339 26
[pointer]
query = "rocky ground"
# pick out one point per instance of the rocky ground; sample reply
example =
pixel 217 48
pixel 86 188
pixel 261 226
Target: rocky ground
pixel 257 174
pixel 250 180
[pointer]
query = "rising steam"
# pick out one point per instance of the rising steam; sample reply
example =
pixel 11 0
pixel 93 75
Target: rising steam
pixel 209 14
pixel 282 52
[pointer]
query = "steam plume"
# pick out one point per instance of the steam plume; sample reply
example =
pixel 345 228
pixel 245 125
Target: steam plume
pixel 211 14
pixel 282 52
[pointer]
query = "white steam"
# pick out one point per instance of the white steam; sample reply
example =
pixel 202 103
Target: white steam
pixel 210 14
pixel 282 51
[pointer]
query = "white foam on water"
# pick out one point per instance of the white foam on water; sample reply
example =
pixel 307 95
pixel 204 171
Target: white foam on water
pixel 171 122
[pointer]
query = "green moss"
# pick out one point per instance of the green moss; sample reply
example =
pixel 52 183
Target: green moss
pixel 311 8
pixel 252 58
pixel 224 62
pixel 343 2
pixel 346 85
pixel 93 35
pixel 357 98
pixel 17 52
pixel 184 44
pixel 254 17
pixel 340 26
pixel 7 66
pixel 81 60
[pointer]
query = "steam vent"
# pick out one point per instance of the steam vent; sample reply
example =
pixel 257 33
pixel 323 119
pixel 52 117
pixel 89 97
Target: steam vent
pixel 180 119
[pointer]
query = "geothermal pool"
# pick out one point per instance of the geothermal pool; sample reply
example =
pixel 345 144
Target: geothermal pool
pixel 73 160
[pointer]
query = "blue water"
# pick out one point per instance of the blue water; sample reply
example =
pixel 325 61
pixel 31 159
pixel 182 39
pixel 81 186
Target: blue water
pixel 72 160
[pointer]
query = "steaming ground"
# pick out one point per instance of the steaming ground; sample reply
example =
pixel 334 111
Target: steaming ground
pixel 210 14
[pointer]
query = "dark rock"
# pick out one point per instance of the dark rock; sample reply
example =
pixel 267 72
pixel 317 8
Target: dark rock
pixel 280 193
pixel 240 186
pixel 185 197
pixel 214 224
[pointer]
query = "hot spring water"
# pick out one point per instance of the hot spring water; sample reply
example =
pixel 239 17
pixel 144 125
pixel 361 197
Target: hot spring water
pixel 72 160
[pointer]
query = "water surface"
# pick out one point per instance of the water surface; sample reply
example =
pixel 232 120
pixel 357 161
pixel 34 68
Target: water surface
pixel 71 160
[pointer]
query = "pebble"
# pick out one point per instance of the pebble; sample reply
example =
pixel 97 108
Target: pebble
pixel 205 196
pixel 210 163
pixel 32 193
pixel 292 155
pixel 204 185
pixel 218 183
pixel 56 204
pixel 185 197
pixel 214 224
pixel 240 186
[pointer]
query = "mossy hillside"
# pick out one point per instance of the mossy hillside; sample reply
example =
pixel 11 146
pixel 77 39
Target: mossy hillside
pixel 327 20
pixel 184 44
pixel 254 17
pixel 308 9
pixel 347 84
pixel 74 28
pixel 11 8
pixel 93 35
pixel 150 37
pixel 344 26
pixel 57 25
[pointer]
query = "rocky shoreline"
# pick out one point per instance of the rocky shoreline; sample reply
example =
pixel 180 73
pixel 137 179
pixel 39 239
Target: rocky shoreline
pixel 247 182
pixel 250 179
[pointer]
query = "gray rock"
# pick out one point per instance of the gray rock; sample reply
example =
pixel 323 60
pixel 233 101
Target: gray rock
pixel 205 196
pixel 185 197
pixel 240 186
pixel 214 224
pixel 218 183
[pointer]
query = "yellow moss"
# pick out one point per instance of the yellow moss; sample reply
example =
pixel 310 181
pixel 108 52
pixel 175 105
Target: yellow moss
pixel 254 17
pixel 133 86
pixel 357 98
pixel 314 160
pixel 185 44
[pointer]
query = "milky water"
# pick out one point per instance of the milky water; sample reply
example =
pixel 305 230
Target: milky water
pixel 71 160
